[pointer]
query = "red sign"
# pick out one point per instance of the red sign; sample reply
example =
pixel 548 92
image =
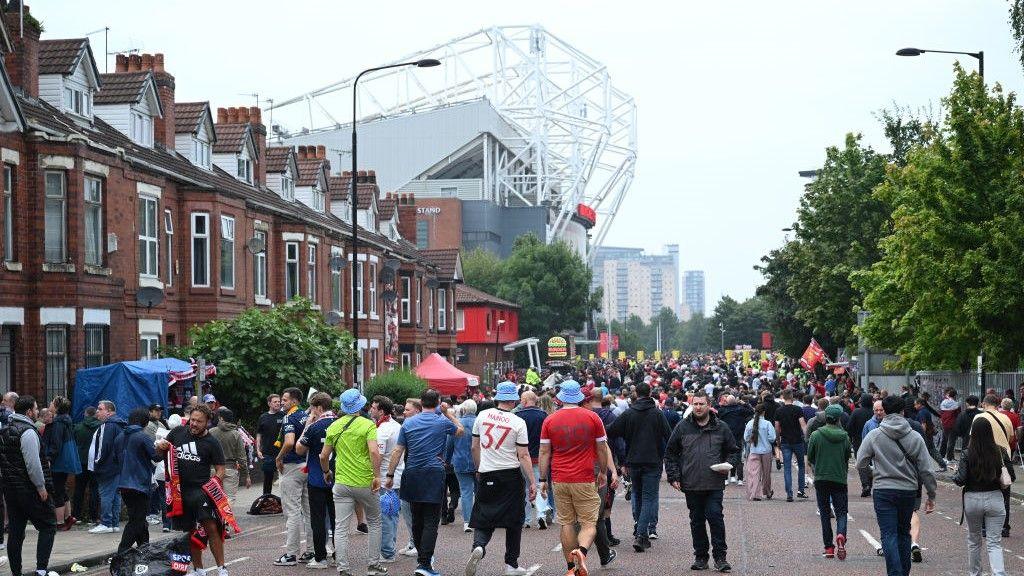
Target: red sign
pixel 587 213
pixel 766 340
pixel 602 344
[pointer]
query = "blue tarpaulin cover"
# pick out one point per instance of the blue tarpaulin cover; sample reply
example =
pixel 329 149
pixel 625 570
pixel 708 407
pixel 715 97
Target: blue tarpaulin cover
pixel 128 385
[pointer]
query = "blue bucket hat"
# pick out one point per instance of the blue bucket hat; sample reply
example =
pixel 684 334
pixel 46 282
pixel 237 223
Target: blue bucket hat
pixel 507 392
pixel 352 401
pixel 569 392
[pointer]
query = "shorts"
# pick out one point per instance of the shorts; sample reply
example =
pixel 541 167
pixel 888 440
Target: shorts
pixel 197 507
pixel 576 502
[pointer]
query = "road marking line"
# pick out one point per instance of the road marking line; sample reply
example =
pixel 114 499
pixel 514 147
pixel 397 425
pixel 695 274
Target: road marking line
pixel 1020 557
pixel 237 560
pixel 871 539
pixel 557 548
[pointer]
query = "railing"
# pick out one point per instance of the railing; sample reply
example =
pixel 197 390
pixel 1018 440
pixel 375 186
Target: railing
pixel 966 383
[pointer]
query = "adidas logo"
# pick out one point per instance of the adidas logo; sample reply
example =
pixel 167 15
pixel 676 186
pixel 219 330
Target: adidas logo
pixel 187 452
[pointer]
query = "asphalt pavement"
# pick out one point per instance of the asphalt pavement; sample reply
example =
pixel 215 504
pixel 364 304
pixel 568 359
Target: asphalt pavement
pixel 765 538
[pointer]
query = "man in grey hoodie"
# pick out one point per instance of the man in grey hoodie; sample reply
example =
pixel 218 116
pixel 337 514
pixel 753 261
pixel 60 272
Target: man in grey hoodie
pixel 902 466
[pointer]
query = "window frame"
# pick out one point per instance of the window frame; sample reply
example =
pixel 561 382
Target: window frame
pixel 460 320
pixel 51 202
pixel 419 301
pixel 151 344
pixel 169 241
pixel 259 267
pixel 227 251
pixel 359 305
pixel 291 268
pixel 430 309
pixel 204 238
pixel 55 357
pixel 93 357
pixel 422 237
pixel 337 290
pixel 442 309
pixel 373 288
pixel 148 245
pixel 406 360
pixel 311 254
pixel 9 254
pixel 405 302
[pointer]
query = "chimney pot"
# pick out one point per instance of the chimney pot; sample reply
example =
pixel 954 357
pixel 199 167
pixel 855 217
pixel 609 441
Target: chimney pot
pixel 121 63
pixel 321 151
pixel 134 63
pixel 232 115
pixel 243 115
pixel 158 62
pixel 222 115
pixel 412 198
pixel 255 115
pixel 147 61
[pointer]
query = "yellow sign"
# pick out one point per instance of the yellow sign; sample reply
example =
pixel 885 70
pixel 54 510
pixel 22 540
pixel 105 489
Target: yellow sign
pixel 675 354
pixel 746 357
pixel 604 355
pixel 764 354
pixel 657 355
pixel 728 355
pixel 591 357
pixel 557 347
pixel 622 355
pixel 639 355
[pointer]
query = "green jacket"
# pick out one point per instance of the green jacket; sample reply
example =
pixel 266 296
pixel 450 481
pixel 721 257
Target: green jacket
pixel 829 453
pixel 83 437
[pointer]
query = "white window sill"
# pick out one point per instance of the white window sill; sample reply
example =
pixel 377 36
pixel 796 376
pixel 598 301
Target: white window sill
pixel 263 301
pixel 374 316
pixel 58 267
pixel 97 270
pixel 150 282
pixel 13 266
pixel 315 306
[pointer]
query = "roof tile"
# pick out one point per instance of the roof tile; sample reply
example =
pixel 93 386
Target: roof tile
pixel 230 138
pixel 277 158
pixel 188 115
pixel 446 260
pixel 468 295
pixel 122 88
pixel 61 56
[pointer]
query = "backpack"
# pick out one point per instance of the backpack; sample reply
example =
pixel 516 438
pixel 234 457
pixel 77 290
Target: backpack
pixel 265 505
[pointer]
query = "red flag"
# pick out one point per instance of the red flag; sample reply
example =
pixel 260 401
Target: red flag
pixel 812 356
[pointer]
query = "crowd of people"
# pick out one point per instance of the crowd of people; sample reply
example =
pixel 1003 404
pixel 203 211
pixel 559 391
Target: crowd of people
pixel 539 449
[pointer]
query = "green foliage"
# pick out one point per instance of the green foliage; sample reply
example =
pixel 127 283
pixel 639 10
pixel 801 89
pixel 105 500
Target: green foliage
pixel 1017 26
pixel 550 282
pixel 744 322
pixel 949 280
pixel 398 385
pixel 262 351
pixel 789 335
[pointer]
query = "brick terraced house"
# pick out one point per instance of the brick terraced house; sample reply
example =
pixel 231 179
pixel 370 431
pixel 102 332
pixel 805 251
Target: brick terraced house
pixel 112 187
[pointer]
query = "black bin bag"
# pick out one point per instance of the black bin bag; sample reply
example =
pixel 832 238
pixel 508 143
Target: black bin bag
pixel 170 557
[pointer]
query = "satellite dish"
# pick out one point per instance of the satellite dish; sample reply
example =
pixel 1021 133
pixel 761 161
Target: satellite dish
pixel 388 296
pixel 337 263
pixel 392 264
pixel 387 276
pixel 333 318
pixel 432 283
pixel 149 296
pixel 256 245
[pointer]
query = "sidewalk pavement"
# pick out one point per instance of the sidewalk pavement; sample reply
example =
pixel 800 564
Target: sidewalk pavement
pixel 91 550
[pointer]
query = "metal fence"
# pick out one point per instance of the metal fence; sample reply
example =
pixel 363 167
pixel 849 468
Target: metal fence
pixel 966 383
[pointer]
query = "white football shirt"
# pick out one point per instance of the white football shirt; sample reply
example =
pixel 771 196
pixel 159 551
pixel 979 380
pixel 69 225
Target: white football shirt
pixel 500 432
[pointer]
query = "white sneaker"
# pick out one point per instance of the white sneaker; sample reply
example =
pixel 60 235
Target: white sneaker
pixel 115 529
pixel 739 482
pixel 408 551
pixel 314 565
pixel 3 546
pixel 510 571
pixel 222 571
pixel 466 528
pixel 388 560
pixel 474 561
pixel 101 529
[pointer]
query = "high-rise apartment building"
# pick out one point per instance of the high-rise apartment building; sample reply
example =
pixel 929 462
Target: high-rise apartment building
pixel 693 291
pixel 636 283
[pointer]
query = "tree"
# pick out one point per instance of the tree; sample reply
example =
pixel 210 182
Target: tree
pixel 551 283
pixel 948 283
pixel 691 335
pixel 262 351
pixel 744 322
pixel 482 269
pixel 1017 26
pixel 789 334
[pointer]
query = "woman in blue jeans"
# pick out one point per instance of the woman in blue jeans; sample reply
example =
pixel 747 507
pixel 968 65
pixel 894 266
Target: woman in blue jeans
pixel 462 462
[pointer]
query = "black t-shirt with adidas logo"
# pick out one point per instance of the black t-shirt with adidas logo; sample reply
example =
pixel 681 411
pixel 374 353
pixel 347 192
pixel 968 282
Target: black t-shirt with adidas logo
pixel 195 456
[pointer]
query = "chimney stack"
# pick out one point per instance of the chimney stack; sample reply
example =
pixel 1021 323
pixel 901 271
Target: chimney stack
pixel 134 63
pixel 120 63
pixel 406 217
pixel 259 133
pixel 163 128
pixel 321 151
pixel 22 63
pixel 222 115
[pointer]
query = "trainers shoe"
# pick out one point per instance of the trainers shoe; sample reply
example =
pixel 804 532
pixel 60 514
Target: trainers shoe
pixel 610 559
pixel 640 544
pixel 515 571
pixel 580 559
pixel 286 560
pixel 101 529
pixel 362 529
pixel 409 550
pixel 723 566
pixel 542 523
pixel 915 553
pixel 306 557
pixel 613 541
pixel 652 534
pixel 474 561
pixel 789 498
pixel 314 565
pixel 865 493
pixel 165 529
pixel 739 482
pixel 377 569
pixel 801 494
pixel 391 560
pixel 426 571
pixel 466 528
pixel 699 564
pixel 830 552
pixel 1006 533
pixel 841 546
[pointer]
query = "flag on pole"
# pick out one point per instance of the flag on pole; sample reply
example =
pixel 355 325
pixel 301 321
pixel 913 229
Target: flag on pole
pixel 813 355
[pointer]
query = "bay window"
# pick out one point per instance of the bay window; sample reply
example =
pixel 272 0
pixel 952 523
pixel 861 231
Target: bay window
pixel 200 249
pixel 227 252
pixel 149 243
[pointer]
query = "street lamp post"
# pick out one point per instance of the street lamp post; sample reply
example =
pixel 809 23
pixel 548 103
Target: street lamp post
pixel 497 334
pixel 721 328
pixel 426 63
pixel 980 55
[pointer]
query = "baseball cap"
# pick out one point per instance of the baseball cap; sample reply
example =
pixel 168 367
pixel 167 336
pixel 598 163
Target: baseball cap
pixel 209 398
pixel 834 411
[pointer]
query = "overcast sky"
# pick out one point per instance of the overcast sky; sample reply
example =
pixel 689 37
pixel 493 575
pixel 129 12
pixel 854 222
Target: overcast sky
pixel 733 97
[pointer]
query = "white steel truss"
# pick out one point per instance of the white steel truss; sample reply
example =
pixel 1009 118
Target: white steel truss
pixel 577 132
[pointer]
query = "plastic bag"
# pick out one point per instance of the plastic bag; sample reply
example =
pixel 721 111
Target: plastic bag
pixel 171 557
pixel 389 503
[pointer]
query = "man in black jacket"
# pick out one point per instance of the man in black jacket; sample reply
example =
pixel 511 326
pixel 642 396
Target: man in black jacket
pixel 735 414
pixel 700 441
pixel 645 430
pixel 858 418
pixel 966 418
pixel 27 484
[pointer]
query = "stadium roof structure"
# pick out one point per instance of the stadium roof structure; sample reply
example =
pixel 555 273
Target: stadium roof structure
pixel 553 129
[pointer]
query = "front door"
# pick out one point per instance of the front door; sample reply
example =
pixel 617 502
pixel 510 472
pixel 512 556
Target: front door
pixel 6 359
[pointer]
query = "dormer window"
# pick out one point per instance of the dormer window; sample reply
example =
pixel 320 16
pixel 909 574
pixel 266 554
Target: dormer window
pixel 318 199
pixel 288 185
pixel 201 153
pixel 244 168
pixel 78 102
pixel 141 130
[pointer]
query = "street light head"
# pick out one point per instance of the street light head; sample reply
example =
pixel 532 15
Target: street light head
pixel 428 63
pixel 909 52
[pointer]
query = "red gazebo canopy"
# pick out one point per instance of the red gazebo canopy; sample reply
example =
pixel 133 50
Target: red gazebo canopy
pixel 443 377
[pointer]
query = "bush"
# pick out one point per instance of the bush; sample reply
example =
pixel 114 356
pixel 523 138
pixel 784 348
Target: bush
pixel 398 385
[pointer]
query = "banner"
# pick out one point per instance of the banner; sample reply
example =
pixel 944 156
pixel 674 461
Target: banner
pixel 675 354
pixel 764 354
pixel 557 347
pixel 746 358
pixel 640 355
pixel 591 357
pixel 766 340
pixel 728 355
pixel 657 355
pixel 622 355
pixel 814 355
